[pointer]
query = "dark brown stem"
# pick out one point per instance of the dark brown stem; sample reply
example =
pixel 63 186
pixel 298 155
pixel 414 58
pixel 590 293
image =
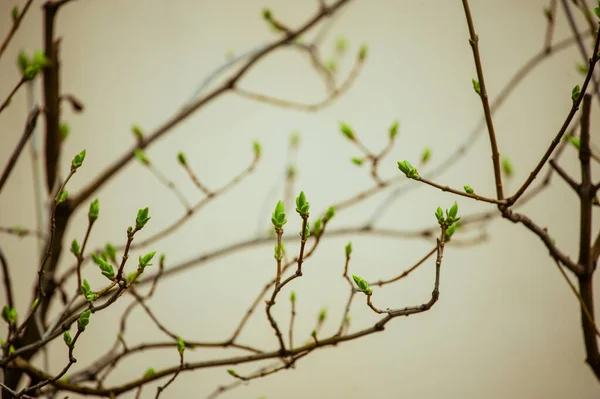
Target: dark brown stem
pixel 10 301
pixel 474 41
pixel 8 99
pixel 29 128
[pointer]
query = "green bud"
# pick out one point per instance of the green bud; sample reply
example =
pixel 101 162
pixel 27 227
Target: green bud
pixel 575 141
pixel 78 160
pixel 582 68
pixel 302 207
pixel 548 13
pixel 329 214
pixel 394 130
pixel 181 158
pixel 15 14
pixel 358 161
pixel 439 214
pixel 9 314
pixel 408 170
pixel 279 218
pixel 476 86
pixel 64 130
pixel 142 218
pixel 295 139
pixel 257 149
pixel 347 131
pixel 180 345
pixel 39 59
pixel 141 156
pixel 62 197
pixel 67 338
pixel 145 260
pixel 451 230
pixel 31 71
pixel 322 315
pixel 84 319
pixel 293 296
pixel 94 211
pixel 267 14
pixel 149 372
pixel 341 45
pixel 11 350
pixel 75 248
pixel 35 303
pixel 469 190
pixel 453 211
pixel 137 132
pixel 507 167
pixel 313 333
pixel 318 227
pixel 331 66
pixel 232 372
pixel 23 61
pixel 107 269
pixel 425 155
pixel 111 251
pixel 348 249
pixel 575 93
pixel 597 11
pixel 362 285
pixel 362 53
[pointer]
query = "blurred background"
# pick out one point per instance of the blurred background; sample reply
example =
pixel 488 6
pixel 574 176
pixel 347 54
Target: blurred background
pixel 506 325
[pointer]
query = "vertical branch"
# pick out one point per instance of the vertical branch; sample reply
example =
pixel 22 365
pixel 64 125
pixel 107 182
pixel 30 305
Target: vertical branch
pixel 51 96
pixel 7 281
pixel 474 40
pixel 586 193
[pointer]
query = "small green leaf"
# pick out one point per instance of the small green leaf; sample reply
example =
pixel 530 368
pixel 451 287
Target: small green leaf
pixel 142 218
pixel 84 319
pixel 362 53
pixel 322 315
pixel 575 141
pixel 597 11
pixel 181 158
pixel 232 372
pixel 476 86
pixel 75 248
pixel 358 161
pixel 149 372
pixel 111 251
pixel 408 170
pixel 329 214
pixel 394 130
pixel 507 167
pixel 137 132
pixel 62 197
pixel 40 59
pixel 341 45
pixel 78 160
pixel 180 345
pixel 145 260
pixel 575 93
pixel 362 284
pixel 302 206
pixel 348 249
pixel 582 68
pixel 107 269
pixel 451 230
pixel 439 214
pixel 31 71
pixel 318 227
pixel 64 130
pixel 141 156
pixel 425 155
pixel 9 314
pixel 279 217
pixel 23 61
pixel 257 149
pixel 469 190
pixel 67 338
pixel 453 211
pixel 94 211
pixel 347 131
